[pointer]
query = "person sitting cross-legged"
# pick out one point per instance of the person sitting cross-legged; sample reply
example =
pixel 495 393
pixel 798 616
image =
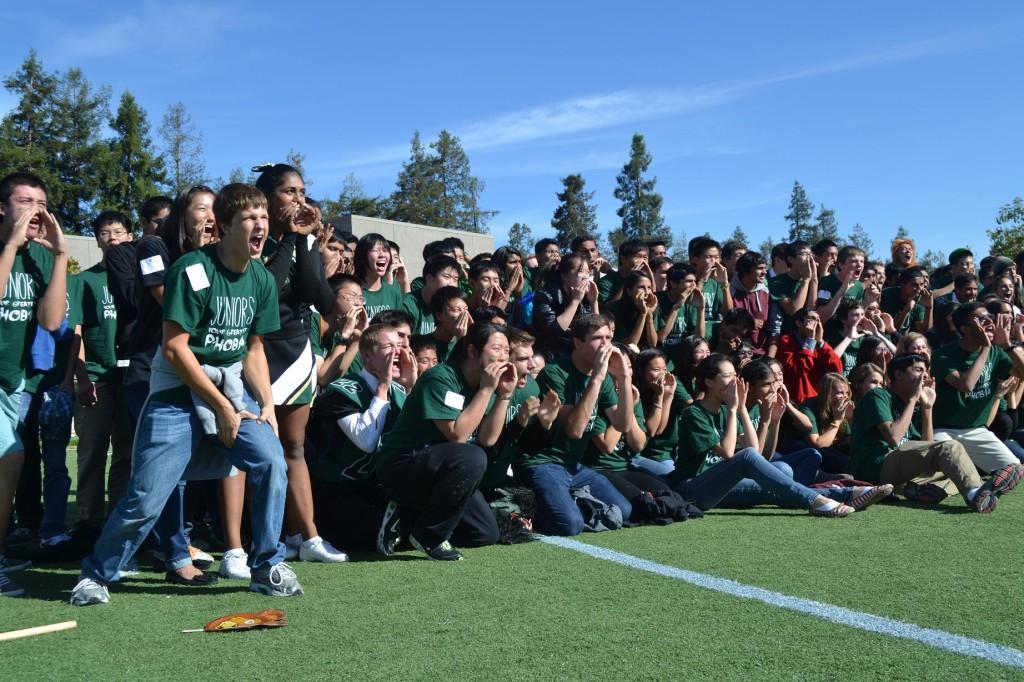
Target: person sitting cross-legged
pixel 582 384
pixel 893 442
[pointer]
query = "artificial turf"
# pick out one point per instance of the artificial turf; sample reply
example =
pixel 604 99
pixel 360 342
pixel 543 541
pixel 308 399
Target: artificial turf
pixel 536 611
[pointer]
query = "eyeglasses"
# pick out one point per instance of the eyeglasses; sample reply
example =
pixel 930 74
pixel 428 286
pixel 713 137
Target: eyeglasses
pixel 106 234
pixel 355 298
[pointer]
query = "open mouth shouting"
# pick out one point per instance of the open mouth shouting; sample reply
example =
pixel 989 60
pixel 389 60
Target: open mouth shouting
pixel 256 241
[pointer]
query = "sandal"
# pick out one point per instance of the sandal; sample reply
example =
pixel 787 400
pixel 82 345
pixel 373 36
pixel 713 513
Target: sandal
pixel 870 496
pixel 836 512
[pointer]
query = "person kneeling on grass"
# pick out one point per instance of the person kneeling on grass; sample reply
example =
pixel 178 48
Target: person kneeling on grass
pixel 582 384
pixel 718 465
pixel 218 302
pixel 432 460
pixel 893 442
pixel 343 439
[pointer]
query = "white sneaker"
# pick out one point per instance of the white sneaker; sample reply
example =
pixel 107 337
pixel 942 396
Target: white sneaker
pixel 318 549
pixel 88 591
pixel 235 564
pixel 291 546
pixel 278 580
pixel 131 568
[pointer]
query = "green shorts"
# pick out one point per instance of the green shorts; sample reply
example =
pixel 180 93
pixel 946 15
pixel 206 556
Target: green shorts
pixel 10 409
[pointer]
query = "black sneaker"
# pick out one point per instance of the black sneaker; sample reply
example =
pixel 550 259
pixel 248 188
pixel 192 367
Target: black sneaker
pixel 390 533
pixel 441 552
pixel 1001 482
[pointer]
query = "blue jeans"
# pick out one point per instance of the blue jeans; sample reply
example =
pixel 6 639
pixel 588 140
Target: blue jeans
pixel 652 466
pixel 169 531
pixel 557 513
pixel 52 427
pixel 765 484
pixel 165 440
pixel 804 464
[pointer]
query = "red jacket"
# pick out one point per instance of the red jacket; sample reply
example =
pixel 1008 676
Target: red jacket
pixel 803 369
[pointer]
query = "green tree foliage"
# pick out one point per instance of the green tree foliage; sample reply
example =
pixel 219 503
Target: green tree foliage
pixel 353 200
pixel 135 172
pixel 826 225
pixel 765 248
pixel 575 214
pixel 415 199
pixel 297 160
pixel 183 149
pixel 641 205
pixel 932 260
pixel 27 132
pixel 739 236
pixel 678 252
pixel 1007 237
pixel 521 237
pixel 458 204
pixel 901 233
pixel 799 217
pixel 859 237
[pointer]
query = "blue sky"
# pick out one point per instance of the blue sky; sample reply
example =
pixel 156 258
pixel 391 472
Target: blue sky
pixel 889 113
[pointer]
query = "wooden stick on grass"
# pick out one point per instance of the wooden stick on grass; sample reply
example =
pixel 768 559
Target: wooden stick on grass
pixel 41 630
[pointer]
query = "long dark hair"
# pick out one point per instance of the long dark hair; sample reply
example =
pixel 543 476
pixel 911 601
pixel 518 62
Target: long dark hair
pixel 500 259
pixel 709 368
pixel 174 232
pixel 363 248
pixel 640 364
pixel 684 365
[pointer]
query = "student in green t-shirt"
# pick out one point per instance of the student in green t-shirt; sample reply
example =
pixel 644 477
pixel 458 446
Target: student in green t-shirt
pixel 910 302
pixel 635 311
pixel 632 256
pixel 847 331
pixel 485 286
pixel 968 373
pixel 350 416
pixel 439 271
pixel 717 452
pixel 339 343
pixel 706 257
pixel 797 288
pixel 450 308
pixel 582 384
pixel 529 418
pixel 514 281
pixel 372 260
pixel 680 308
pixel 893 441
pixel 432 460
pixel 663 398
pixel 844 283
pixel 33 272
pixel 218 302
pixel 102 417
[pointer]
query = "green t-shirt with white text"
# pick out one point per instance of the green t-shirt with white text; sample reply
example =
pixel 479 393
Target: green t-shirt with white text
pixel 30 275
pixel 99 325
pixel 956 410
pixel 219 308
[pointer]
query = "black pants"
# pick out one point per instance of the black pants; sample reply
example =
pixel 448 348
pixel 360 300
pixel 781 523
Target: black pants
pixel 437 489
pixel 348 517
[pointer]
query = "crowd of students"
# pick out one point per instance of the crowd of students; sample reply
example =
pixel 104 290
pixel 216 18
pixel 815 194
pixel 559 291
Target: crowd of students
pixel 303 394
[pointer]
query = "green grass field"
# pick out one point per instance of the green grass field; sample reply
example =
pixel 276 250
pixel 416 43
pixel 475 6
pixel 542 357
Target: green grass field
pixel 536 611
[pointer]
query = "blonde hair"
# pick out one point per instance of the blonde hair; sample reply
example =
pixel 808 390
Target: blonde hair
pixel 860 374
pixel 908 340
pixel 825 388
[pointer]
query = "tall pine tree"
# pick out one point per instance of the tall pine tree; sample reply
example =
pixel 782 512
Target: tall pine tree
pixel 575 214
pixel 800 215
pixel 27 132
pixel 135 171
pixel 458 203
pixel 860 238
pixel 739 236
pixel 641 205
pixel 826 226
pixel 521 237
pixel 183 149
pixel 417 191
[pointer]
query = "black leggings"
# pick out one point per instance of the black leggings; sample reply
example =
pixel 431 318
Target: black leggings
pixel 437 488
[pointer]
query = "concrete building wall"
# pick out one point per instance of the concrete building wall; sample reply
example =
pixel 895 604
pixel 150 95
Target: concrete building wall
pixel 412 238
pixel 84 250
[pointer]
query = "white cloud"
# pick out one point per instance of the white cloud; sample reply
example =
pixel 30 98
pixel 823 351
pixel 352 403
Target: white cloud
pixel 589 113
pixel 156 27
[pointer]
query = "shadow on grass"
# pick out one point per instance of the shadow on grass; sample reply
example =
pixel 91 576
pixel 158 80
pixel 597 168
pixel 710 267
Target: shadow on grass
pixel 51 586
